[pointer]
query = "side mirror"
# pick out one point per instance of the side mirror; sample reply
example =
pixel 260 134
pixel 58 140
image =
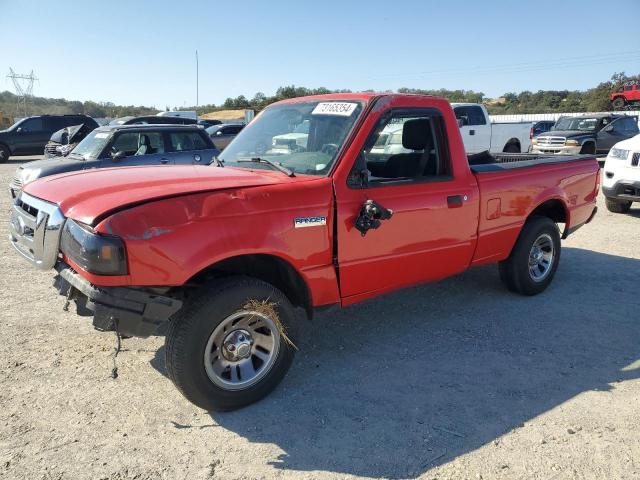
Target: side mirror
pixel 608 128
pixel 19 130
pixel 120 155
pixel 219 132
pixel 460 122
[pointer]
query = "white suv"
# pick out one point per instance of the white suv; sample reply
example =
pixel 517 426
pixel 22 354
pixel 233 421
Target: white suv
pixel 621 181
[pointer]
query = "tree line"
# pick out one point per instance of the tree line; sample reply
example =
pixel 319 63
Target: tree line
pixel 595 99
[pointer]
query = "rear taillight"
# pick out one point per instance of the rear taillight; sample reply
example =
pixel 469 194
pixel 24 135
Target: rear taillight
pixel 598 181
pixel 530 133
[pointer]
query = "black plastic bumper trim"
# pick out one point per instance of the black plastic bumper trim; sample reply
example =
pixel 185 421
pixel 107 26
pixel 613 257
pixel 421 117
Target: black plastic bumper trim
pixel 138 313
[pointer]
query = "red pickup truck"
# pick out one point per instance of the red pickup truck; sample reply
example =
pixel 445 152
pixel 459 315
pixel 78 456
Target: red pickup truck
pixel 230 255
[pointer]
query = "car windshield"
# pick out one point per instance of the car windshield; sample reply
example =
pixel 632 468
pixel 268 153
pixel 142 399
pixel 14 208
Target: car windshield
pixel 568 123
pixel 304 137
pixel 92 145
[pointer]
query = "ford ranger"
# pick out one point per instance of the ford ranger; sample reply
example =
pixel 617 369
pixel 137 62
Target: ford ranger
pixel 230 257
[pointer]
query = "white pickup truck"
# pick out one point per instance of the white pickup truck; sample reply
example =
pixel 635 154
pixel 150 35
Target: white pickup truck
pixel 480 135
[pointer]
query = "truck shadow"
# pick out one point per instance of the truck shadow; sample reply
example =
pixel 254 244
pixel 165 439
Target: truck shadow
pixel 409 381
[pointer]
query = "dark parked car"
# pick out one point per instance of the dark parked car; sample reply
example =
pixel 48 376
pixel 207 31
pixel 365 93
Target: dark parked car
pixel 125 145
pixel 153 120
pixel 223 134
pixel 585 134
pixel 30 135
pixel 208 123
pixel 65 140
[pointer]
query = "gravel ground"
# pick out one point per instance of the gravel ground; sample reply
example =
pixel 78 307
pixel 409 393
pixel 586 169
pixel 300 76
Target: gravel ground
pixel 458 379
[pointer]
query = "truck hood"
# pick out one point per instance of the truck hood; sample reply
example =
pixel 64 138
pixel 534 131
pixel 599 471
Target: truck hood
pixel 87 195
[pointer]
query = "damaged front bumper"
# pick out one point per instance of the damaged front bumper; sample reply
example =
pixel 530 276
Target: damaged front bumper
pixel 134 312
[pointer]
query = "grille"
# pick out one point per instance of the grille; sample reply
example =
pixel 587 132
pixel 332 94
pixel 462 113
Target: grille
pixel 34 230
pixel 16 184
pixel 635 159
pixel 551 140
pixel 50 149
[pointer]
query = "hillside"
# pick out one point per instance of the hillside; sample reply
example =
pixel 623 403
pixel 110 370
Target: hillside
pixel 542 101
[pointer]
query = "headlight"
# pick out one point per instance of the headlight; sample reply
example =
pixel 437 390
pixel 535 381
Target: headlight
pixel 619 153
pixel 28 175
pixel 95 253
pixel 534 141
pixel 571 143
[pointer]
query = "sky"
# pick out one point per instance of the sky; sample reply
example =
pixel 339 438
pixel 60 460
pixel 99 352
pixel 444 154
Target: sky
pixel 143 52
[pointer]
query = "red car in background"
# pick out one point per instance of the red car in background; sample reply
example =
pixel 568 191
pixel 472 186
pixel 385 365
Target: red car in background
pixel 628 96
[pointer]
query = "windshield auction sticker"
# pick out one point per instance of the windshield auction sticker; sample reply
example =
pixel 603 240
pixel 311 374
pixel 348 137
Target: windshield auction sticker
pixel 334 108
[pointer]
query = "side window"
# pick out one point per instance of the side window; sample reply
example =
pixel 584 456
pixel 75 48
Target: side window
pixel 628 87
pixel 476 116
pixel 462 113
pixel 407 146
pixel 629 125
pixel 32 125
pixel 185 141
pixel 139 143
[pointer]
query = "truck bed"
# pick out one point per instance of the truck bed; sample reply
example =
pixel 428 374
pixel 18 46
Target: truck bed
pixel 512 185
pixel 488 162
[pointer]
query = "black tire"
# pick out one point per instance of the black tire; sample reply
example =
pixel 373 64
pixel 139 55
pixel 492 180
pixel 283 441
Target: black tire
pixel 4 153
pixel 588 149
pixel 618 103
pixel 512 148
pixel 617 206
pixel 515 270
pixel 189 333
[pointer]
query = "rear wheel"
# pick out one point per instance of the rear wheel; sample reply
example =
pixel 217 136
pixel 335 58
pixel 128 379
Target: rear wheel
pixel 4 154
pixel 512 148
pixel 617 206
pixel 618 103
pixel 231 345
pixel 534 259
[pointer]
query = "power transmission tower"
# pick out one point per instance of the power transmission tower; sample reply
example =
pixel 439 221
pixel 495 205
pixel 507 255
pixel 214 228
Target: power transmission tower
pixel 24 89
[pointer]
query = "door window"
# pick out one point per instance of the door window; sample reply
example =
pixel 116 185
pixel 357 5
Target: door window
pixel 470 115
pixel 32 125
pixel 627 126
pixel 139 143
pixel 407 147
pixel 185 141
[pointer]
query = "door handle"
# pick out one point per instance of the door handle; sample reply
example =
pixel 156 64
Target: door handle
pixel 455 201
pixel 472 132
pixel 164 160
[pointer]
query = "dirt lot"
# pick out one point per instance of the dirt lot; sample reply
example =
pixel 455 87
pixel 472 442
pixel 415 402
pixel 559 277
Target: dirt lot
pixel 454 380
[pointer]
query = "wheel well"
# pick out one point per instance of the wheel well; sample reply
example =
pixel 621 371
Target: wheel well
pixel 5 146
pixel 553 209
pixel 268 268
pixel 513 141
pixel 587 144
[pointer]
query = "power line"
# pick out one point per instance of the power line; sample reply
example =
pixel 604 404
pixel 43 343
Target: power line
pixel 578 61
pixel 23 92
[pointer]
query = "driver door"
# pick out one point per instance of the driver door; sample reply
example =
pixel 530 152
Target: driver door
pixel 432 231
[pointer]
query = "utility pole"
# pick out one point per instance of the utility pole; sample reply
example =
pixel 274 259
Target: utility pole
pixel 197 83
pixel 23 93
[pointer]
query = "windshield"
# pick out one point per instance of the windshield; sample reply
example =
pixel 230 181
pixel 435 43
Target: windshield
pixel 92 145
pixel 304 137
pixel 568 123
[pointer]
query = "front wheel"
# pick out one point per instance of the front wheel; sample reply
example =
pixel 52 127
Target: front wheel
pixel 232 344
pixel 617 206
pixel 618 103
pixel 534 259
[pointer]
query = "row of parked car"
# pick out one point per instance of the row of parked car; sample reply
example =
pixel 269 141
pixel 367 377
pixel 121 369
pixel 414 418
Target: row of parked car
pixel 79 143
